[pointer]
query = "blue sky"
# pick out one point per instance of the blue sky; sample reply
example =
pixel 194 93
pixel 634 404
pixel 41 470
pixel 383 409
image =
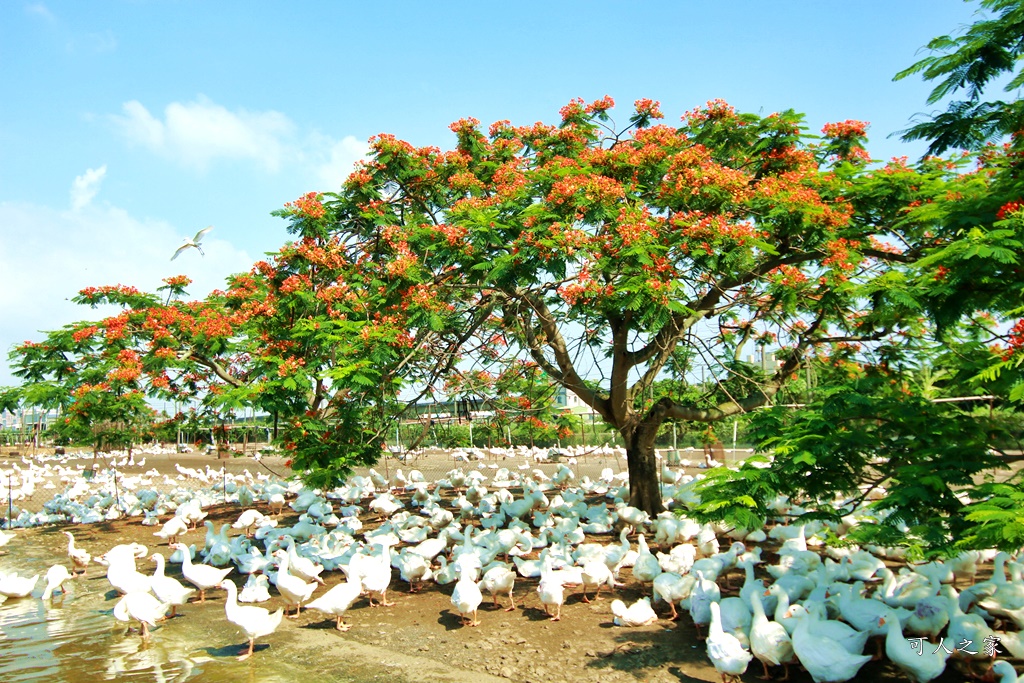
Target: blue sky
pixel 127 125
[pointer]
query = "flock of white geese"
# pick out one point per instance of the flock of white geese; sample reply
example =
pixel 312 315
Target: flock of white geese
pixel 815 607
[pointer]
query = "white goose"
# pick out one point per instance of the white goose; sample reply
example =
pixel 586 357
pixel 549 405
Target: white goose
pixel 466 597
pixel 142 607
pixel 202 576
pixel 727 654
pixel 637 614
pixel 672 588
pixel 825 659
pixel 596 573
pixel 55 578
pixel 254 621
pixel 500 580
pixel 337 600
pixel 646 567
pixel 167 588
pixel 256 589
pixel 303 567
pixel 769 641
pixel 293 589
pixel 921 664
pixel 79 558
pixel 551 590
pixel 172 528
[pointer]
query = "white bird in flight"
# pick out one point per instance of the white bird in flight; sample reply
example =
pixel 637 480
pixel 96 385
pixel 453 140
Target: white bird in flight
pixel 194 242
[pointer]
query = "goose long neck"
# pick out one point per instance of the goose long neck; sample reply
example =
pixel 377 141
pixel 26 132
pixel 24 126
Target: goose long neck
pixel 782 606
pixel 757 607
pixel 159 559
pixel 232 599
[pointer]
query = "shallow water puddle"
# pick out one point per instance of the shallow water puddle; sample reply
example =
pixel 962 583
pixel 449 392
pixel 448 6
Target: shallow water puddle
pixel 75 638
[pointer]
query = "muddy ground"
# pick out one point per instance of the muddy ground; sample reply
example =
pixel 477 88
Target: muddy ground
pixel 421 639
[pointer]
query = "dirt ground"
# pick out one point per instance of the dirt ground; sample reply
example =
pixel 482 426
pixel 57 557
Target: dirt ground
pixel 421 639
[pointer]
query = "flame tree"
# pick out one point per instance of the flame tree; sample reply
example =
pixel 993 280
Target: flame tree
pixel 607 254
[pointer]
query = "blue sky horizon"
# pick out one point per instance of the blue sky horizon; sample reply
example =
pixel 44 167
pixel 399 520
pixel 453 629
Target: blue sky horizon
pixel 128 125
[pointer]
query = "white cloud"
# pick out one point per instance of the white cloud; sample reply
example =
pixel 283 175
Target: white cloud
pixel 39 10
pixel 340 158
pixel 197 133
pixel 85 187
pixel 47 255
pixel 104 41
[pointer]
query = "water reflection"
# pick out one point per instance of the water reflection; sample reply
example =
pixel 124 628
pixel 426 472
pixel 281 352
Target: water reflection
pixel 74 638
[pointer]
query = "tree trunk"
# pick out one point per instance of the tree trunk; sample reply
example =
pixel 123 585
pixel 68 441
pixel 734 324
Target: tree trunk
pixel 644 486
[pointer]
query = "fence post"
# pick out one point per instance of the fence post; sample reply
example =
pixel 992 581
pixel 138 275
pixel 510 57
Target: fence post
pixel 117 494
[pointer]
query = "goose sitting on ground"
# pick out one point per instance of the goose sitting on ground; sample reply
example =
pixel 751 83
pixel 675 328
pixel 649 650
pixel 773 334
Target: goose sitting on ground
pixel 466 597
pixel 79 558
pixel 337 600
pixel 142 607
pixel 202 576
pixel 256 589
pixel 254 621
pixel 167 588
pixel 637 614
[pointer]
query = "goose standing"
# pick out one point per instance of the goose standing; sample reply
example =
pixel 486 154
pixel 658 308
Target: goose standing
pixel 500 580
pixel 167 588
pixel 596 573
pixel 202 576
pixel 550 590
pixel 142 607
pixel 172 528
pixel 466 597
pixel 769 641
pixel 254 621
pixel 55 578
pixel 293 589
pixel 727 654
pixel 826 660
pixel 337 600
pixel 646 568
pixel 79 557
pixel 921 664
pixel 375 573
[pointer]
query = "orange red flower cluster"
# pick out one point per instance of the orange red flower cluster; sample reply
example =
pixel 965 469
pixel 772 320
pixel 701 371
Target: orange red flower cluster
pixel 1008 208
pixel 846 129
pixel 308 205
